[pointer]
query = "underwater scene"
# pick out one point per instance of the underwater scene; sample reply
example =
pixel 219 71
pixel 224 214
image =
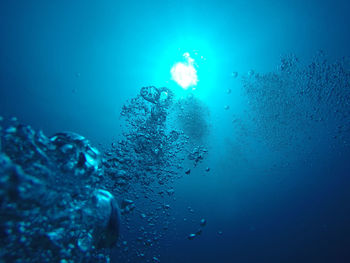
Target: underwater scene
pixel 175 131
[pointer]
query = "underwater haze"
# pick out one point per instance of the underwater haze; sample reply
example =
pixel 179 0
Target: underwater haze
pixel 175 131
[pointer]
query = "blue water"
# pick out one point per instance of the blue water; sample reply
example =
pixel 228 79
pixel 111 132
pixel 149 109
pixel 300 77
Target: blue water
pixel 278 185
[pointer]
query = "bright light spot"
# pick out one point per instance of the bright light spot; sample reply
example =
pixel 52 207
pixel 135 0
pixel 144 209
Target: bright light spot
pixel 184 73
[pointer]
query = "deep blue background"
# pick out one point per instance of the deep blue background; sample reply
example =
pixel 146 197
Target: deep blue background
pixel 70 65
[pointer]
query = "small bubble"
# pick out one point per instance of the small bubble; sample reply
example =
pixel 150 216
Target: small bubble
pixel 251 73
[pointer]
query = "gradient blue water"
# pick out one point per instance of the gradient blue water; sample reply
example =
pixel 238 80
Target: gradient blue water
pixel 70 65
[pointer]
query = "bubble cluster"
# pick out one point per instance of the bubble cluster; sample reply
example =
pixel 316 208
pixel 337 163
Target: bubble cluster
pixel 300 102
pixel 47 190
pixel 146 162
pixel 59 195
pixel 192 117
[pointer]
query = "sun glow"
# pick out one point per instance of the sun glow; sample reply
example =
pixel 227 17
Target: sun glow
pixel 184 73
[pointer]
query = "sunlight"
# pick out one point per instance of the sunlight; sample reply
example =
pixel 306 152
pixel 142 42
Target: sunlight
pixel 184 73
